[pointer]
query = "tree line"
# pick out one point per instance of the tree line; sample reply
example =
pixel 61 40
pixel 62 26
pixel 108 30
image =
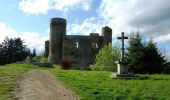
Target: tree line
pixel 140 57
pixel 144 57
pixel 13 50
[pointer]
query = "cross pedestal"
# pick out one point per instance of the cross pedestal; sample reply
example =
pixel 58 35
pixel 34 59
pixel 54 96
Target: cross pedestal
pixel 121 68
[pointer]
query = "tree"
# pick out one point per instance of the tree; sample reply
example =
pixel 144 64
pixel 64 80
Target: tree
pixel 144 58
pixel 34 53
pixel 135 53
pixel 12 50
pixel 106 58
pixel 154 60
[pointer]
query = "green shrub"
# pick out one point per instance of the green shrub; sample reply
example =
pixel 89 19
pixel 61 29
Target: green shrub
pixel 44 59
pixel 37 58
pixel 106 58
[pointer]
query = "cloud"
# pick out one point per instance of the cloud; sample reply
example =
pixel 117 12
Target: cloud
pixel 163 38
pixel 150 17
pixel 88 26
pixel 42 6
pixel 70 4
pixel 6 31
pixel 34 6
pixel 32 39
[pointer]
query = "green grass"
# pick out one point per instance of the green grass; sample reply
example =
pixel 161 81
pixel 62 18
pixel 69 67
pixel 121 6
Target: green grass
pixel 97 85
pixel 8 75
pixel 93 85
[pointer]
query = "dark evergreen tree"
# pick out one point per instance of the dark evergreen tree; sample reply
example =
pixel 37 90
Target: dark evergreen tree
pixel 34 53
pixel 12 50
pixel 154 60
pixel 135 53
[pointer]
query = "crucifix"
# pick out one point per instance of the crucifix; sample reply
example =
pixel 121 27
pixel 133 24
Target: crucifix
pixel 123 49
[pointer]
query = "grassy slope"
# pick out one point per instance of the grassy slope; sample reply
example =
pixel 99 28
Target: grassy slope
pixel 95 85
pixel 8 75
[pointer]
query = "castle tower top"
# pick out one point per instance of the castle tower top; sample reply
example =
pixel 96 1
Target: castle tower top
pixel 58 22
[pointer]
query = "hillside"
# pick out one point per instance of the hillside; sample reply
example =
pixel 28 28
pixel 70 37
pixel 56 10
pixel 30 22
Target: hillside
pixel 89 85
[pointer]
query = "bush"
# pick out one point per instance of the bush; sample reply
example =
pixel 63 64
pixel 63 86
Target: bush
pixel 65 63
pixel 106 58
pixel 44 59
pixel 37 59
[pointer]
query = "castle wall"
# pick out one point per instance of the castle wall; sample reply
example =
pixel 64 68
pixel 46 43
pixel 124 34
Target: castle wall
pixel 107 35
pixel 80 50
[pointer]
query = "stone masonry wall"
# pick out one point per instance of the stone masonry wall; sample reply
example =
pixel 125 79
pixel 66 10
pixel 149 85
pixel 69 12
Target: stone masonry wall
pixel 81 50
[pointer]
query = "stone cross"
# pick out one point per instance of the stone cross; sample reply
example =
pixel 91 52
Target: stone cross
pixel 123 49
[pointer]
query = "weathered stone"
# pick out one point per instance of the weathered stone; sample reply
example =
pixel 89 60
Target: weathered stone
pixel 28 59
pixel 46 48
pixel 81 50
pixel 107 35
pixel 57 31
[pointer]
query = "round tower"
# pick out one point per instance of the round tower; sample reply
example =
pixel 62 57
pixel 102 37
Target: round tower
pixel 57 31
pixel 107 35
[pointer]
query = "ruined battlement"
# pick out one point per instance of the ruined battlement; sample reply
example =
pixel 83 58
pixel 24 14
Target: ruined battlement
pixel 81 50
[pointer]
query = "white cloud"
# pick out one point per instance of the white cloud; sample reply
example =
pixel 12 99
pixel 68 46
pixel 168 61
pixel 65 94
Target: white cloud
pixel 67 4
pixel 149 15
pixel 85 28
pixel 32 39
pixel 42 6
pixel 162 38
pixel 6 31
pixel 34 6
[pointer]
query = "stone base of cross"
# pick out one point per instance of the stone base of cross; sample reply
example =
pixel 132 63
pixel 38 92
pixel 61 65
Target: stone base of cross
pixel 121 68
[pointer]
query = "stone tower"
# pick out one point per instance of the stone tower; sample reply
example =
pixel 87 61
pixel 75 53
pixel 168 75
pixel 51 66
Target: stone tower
pixel 107 35
pixel 46 48
pixel 57 32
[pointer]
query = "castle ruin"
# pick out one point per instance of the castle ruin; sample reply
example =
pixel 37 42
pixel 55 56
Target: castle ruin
pixel 80 50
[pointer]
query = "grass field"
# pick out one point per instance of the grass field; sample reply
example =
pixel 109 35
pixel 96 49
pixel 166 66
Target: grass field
pixel 93 85
pixel 97 85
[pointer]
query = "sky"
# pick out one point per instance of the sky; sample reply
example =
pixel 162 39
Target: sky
pixel 30 19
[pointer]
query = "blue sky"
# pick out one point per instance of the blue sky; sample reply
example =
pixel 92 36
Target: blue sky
pixel 29 19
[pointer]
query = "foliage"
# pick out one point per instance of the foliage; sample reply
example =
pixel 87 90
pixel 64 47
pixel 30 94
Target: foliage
pixel 154 60
pixel 65 63
pixel 13 50
pixel 144 58
pixel 34 53
pixel 135 53
pixel 167 68
pixel 44 59
pixel 97 85
pixel 106 58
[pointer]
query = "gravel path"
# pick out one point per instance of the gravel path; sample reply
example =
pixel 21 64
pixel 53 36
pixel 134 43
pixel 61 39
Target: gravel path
pixel 42 85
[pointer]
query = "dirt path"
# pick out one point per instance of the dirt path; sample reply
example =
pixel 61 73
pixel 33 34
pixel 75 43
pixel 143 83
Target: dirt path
pixel 41 85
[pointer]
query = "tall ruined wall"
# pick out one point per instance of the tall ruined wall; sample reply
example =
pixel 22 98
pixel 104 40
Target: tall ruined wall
pixel 107 35
pixel 81 50
pixel 57 31
pixel 46 48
